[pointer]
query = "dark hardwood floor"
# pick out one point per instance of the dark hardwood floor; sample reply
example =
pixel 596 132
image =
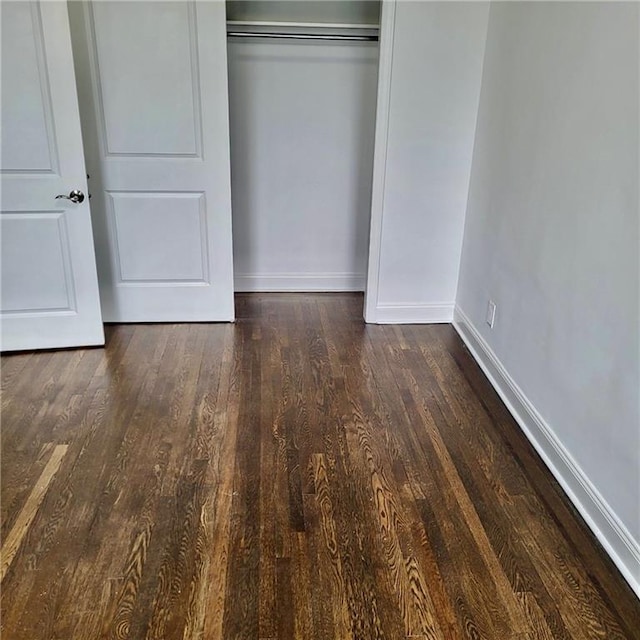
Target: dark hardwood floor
pixel 296 475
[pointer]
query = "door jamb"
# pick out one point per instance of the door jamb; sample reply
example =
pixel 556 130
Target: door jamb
pixel 383 108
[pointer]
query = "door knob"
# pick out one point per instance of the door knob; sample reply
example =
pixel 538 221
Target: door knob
pixel 75 196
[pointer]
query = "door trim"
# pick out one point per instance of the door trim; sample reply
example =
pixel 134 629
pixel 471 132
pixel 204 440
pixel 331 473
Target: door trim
pixel 385 68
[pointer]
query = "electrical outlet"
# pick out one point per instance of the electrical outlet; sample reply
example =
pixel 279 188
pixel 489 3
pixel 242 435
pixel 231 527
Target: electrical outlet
pixel 491 313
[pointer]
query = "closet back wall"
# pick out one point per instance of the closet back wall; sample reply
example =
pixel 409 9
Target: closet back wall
pixel 302 117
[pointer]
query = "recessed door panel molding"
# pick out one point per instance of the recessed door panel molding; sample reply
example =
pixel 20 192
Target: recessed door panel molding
pixel 131 73
pixel 49 296
pixel 152 84
pixel 39 243
pixel 28 140
pixel 137 219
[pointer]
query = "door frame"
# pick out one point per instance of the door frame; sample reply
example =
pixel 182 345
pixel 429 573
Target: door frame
pixel 383 108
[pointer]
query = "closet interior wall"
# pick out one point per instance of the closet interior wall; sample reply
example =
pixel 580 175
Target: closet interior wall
pixel 302 119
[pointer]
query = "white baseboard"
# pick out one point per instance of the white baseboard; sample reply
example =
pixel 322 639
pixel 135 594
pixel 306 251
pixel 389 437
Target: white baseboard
pixel 623 549
pixel 413 313
pixel 246 282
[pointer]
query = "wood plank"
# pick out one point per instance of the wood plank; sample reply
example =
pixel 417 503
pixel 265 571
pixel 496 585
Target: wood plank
pixel 13 540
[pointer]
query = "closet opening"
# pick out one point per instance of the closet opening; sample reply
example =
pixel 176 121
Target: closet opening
pixel 302 108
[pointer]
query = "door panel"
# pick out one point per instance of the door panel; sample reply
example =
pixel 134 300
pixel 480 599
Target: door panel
pixel 28 143
pixel 148 218
pixel 49 290
pixel 153 92
pixel 39 243
pixel 165 75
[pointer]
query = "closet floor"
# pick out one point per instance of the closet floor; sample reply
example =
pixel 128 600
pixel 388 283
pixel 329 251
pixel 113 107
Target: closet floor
pixel 296 475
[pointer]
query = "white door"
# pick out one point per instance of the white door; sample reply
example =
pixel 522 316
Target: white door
pixel 49 296
pixel 152 80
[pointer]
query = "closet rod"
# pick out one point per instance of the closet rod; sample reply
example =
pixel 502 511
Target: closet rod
pixel 301 36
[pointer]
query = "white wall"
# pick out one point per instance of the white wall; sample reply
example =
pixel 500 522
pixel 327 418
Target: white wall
pixel 551 236
pixel 436 66
pixel 302 126
pixel 328 11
